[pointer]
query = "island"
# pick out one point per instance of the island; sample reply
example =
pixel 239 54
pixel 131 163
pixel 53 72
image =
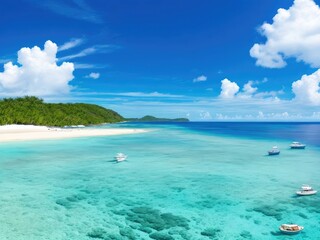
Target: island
pixel 30 118
pixel 149 118
pixel 33 111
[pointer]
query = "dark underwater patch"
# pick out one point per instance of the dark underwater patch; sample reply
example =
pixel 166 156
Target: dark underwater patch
pixel 212 233
pixel 270 211
pixel 160 236
pixel 153 218
pixel 246 235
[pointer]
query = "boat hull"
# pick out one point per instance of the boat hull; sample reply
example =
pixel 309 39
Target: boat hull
pixel 298 147
pixel 291 232
pixel 302 193
pixel 273 153
pixel 120 159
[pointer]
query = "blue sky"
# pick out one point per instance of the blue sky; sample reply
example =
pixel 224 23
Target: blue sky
pixel 205 60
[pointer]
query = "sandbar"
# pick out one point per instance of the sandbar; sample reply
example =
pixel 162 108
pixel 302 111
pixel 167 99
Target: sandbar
pixel 10 133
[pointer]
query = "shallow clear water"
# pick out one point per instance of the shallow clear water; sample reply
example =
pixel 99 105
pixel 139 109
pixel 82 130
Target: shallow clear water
pixel 180 182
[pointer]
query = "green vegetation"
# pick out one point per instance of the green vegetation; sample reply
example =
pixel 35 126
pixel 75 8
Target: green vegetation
pixel 155 119
pixel 32 110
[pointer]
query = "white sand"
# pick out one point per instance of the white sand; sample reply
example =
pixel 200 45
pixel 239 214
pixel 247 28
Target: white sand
pixel 29 132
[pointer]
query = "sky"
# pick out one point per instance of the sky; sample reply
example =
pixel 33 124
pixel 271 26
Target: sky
pixel 209 60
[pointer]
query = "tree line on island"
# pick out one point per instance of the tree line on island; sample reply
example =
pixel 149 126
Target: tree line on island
pixel 32 110
pixel 149 118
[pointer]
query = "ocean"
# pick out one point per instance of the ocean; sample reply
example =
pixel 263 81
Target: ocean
pixel 197 180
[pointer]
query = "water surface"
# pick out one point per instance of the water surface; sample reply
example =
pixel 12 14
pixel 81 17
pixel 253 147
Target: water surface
pixel 181 181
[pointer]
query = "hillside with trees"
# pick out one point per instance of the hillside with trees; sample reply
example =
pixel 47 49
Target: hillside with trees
pixel 32 110
pixel 149 118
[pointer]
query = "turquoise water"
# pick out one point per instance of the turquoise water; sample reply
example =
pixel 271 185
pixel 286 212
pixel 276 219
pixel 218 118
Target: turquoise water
pixel 178 183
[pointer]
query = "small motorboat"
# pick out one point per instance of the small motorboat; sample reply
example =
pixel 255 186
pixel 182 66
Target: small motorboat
pixel 306 190
pixel 120 157
pixel 297 145
pixel 274 151
pixel 290 228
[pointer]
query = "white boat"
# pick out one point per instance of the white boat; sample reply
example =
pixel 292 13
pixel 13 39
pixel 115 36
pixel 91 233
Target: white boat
pixel 120 157
pixel 290 228
pixel 297 145
pixel 306 190
pixel 274 151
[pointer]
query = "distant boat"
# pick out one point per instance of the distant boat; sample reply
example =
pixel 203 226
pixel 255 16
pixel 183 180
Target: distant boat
pixel 306 190
pixel 290 228
pixel 274 151
pixel 120 157
pixel 297 145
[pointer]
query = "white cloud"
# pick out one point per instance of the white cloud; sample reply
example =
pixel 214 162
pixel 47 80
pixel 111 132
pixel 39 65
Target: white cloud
pixel 228 89
pixel 316 115
pixel 285 115
pixel 82 53
pixel 201 78
pixel 270 94
pixel 130 94
pixel 88 66
pixel 306 89
pixel 79 9
pixel 84 66
pixel 272 115
pixel 90 51
pixel 238 109
pixel 248 89
pixel 93 75
pixel 231 90
pixel 294 33
pixel 38 73
pixel 205 115
pixel 260 114
pixel 71 44
pixel 220 116
pixel 152 94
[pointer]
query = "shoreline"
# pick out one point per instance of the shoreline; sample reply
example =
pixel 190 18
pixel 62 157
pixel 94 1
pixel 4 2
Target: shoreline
pixel 12 133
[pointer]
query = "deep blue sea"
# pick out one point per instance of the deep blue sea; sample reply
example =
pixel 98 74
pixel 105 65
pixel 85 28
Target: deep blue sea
pixel 197 180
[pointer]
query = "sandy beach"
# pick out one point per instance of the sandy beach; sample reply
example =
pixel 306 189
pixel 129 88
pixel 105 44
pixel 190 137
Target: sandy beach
pixel 30 132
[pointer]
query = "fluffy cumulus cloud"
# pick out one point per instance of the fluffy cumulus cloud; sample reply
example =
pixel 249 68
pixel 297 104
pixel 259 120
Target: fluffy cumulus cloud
pixel 93 75
pixel 36 73
pixel 294 33
pixel 231 90
pixel 248 89
pixel 228 89
pixel 201 78
pixel 306 89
